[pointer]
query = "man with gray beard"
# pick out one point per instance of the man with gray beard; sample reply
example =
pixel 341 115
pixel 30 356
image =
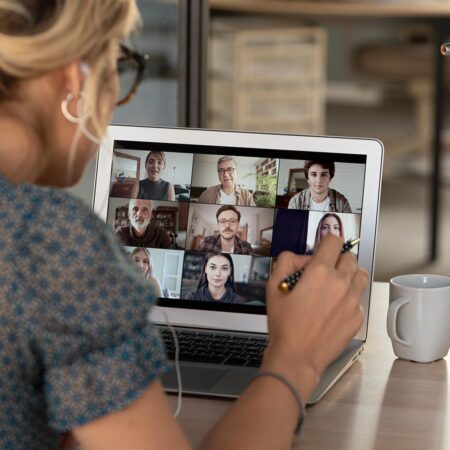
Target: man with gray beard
pixel 140 232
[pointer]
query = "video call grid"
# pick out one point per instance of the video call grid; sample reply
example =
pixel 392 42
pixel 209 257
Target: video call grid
pixel 274 209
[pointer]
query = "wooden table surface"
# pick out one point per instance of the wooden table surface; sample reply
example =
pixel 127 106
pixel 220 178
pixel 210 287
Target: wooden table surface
pixel 380 403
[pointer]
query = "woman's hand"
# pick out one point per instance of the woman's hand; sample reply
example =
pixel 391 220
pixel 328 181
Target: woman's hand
pixel 312 324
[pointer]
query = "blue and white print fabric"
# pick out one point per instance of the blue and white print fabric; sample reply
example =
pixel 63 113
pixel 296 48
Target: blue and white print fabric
pixel 75 344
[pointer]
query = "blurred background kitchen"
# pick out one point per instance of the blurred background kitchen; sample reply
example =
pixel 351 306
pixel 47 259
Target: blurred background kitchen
pixel 352 68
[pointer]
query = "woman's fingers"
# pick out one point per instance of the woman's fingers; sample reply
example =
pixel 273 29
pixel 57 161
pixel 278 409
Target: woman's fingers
pixel 359 285
pixel 328 251
pixel 287 264
pixel 347 265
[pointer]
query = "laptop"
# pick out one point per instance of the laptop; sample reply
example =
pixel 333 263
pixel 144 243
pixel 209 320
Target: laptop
pixel 161 191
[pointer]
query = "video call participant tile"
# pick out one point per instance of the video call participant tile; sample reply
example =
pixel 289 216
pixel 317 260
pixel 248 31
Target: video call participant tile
pixel 227 228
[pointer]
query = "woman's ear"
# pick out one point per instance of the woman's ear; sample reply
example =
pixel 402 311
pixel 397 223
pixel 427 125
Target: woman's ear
pixel 75 75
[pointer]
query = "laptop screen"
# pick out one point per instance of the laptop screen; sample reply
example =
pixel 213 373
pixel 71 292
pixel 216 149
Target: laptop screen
pixel 205 224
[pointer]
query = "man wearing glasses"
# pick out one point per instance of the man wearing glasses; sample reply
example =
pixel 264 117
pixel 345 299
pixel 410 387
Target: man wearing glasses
pixel 227 192
pixel 228 218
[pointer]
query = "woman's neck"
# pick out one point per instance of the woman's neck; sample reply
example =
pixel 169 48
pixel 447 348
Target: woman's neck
pixel 21 150
pixel 216 292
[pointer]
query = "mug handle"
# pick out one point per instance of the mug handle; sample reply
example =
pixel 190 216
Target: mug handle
pixel 393 310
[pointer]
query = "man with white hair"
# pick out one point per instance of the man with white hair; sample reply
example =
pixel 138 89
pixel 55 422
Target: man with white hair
pixel 140 232
pixel 227 192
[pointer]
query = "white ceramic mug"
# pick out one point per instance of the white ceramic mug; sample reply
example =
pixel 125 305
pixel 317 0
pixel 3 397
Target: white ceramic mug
pixel 418 320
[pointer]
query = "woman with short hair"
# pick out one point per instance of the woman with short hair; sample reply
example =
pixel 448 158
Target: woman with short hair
pixel 154 187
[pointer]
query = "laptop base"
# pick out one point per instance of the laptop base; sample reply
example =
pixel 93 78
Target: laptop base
pixel 230 381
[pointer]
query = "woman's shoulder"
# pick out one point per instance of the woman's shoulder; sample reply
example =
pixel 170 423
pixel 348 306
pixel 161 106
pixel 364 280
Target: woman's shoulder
pixel 155 285
pixel 236 298
pixel 46 227
pixel 201 294
pixel 59 210
pixel 192 295
pixel 29 208
pixel 31 196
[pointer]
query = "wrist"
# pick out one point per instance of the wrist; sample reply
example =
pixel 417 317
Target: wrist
pixel 300 372
pixel 294 394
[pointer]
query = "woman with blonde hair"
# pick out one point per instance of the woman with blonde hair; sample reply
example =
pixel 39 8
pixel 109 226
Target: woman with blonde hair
pixel 154 187
pixel 78 356
pixel 141 257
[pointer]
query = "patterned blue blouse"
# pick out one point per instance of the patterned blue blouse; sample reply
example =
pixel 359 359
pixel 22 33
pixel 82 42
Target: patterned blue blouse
pixel 75 344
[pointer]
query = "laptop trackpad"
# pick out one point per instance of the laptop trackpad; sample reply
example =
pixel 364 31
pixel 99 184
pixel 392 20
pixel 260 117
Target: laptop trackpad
pixel 235 381
pixel 195 378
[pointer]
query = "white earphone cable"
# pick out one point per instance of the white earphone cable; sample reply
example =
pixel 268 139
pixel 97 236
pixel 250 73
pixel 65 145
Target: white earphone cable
pixel 177 364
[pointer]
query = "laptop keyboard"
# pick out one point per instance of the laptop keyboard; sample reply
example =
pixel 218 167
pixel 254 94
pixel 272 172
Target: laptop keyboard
pixel 215 347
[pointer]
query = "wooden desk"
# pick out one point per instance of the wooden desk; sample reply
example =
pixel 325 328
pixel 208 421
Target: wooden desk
pixel 380 403
pixel 434 13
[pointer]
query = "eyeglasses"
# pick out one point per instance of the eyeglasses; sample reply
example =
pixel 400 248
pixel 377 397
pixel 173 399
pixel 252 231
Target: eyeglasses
pixel 229 170
pixel 131 68
pixel 226 222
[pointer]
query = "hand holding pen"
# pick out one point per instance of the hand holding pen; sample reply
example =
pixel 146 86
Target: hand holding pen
pixel 289 282
pixel 310 325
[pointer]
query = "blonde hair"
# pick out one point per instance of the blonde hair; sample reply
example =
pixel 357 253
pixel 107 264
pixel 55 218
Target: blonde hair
pixel 38 36
pixel 147 252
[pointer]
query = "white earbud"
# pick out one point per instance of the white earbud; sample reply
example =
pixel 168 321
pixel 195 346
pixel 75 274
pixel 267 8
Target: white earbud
pixel 85 69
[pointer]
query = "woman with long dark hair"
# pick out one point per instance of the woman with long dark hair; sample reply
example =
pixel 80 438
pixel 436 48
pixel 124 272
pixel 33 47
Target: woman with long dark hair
pixel 216 281
pixel 329 224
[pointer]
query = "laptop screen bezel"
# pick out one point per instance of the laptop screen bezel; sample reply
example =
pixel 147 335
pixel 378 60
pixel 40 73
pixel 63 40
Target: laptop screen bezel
pixel 372 149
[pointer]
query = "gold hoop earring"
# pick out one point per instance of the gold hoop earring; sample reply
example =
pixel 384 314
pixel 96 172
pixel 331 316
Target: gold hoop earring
pixel 65 108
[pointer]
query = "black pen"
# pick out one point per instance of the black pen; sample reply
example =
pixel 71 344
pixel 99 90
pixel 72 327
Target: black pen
pixel 289 282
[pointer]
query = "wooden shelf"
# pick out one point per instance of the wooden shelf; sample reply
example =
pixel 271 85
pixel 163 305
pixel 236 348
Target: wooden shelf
pixel 266 78
pixel 335 9
pixel 165 217
pixel 266 167
pixel 121 218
